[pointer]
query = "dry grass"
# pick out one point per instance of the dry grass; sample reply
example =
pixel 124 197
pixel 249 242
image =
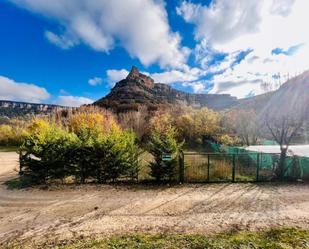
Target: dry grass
pixel 196 168
pixel 221 170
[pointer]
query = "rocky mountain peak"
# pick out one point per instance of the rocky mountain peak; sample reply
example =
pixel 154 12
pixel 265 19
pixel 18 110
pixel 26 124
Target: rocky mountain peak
pixel 138 89
pixel 135 75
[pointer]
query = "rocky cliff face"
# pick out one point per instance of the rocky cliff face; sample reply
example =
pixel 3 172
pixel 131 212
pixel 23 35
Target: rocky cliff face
pixel 14 109
pixel 139 89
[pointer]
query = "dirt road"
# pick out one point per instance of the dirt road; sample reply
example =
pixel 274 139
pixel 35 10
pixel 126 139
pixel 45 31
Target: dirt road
pixel 82 211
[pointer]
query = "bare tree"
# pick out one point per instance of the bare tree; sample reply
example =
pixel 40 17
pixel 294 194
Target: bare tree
pixel 242 123
pixel 267 86
pixel 283 129
pixel 135 121
pixel 247 127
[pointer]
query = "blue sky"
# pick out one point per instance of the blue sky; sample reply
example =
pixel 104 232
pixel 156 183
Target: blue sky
pixel 72 52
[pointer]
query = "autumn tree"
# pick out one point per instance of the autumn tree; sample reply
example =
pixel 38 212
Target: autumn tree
pixel 161 122
pixel 201 124
pixel 13 132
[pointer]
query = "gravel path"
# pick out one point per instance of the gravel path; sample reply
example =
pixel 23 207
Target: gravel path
pixel 88 211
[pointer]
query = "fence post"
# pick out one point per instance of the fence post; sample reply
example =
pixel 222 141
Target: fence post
pixel 233 169
pixel 181 158
pixel 208 168
pixel 257 166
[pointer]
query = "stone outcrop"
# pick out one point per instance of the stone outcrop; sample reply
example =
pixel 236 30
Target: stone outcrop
pixel 135 75
pixel 15 109
pixel 140 89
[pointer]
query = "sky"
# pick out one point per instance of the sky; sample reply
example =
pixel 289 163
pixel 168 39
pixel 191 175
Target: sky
pixel 72 52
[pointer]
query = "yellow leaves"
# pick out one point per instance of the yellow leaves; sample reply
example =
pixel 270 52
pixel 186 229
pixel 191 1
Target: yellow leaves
pixel 93 121
pixel 113 127
pixel 161 123
pixel 206 121
pixel 38 125
pixel 10 135
pixel 202 122
pixel 85 120
pixel 86 126
pixel 5 129
pixel 184 124
pixel 226 139
pixel 193 127
pixel 6 133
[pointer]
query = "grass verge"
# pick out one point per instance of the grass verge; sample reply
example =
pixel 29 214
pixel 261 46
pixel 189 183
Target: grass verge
pixel 284 238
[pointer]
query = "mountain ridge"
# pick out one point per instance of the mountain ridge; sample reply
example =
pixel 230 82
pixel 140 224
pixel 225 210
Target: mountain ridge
pixel 11 109
pixel 291 97
pixel 139 89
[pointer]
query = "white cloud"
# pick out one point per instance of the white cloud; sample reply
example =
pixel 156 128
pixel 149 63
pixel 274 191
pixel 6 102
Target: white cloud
pixel 167 77
pixel 205 56
pixel 197 86
pixel 174 76
pixel 60 40
pixel 231 26
pixel 140 26
pixel 114 75
pixel 19 91
pixel 95 81
pixel 281 7
pixel 247 76
pixel 240 89
pixel 73 101
pixel 223 19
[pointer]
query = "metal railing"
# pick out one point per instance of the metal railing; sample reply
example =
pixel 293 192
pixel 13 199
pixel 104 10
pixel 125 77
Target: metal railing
pixel 222 167
pixel 195 167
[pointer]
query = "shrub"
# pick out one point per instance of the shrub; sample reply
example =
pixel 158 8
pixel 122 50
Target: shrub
pixel 117 156
pixel 226 139
pixel 11 134
pixel 164 143
pixel 6 134
pixel 132 154
pixel 45 153
pixel 90 147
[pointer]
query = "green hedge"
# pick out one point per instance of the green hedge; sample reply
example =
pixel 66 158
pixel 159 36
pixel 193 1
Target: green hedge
pixel 52 152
